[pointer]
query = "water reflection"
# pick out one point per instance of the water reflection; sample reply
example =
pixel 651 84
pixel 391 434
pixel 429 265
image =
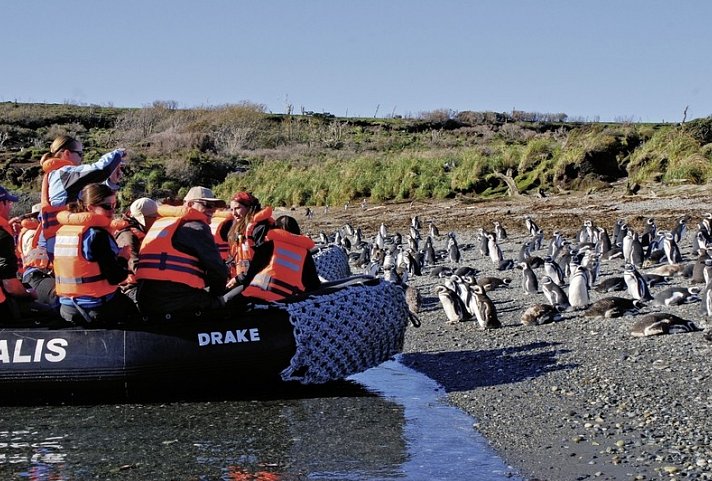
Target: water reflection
pixel 341 432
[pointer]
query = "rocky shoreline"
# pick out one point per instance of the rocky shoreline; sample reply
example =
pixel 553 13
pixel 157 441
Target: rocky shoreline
pixel 580 398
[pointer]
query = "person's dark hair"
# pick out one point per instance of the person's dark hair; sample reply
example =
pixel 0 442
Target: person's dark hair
pixel 92 194
pixel 287 223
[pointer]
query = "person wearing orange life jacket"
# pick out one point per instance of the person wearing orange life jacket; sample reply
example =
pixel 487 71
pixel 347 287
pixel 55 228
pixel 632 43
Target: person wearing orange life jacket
pixel 180 269
pixel 28 224
pixel 246 233
pixel 64 176
pixel 11 288
pixel 220 225
pixel 281 267
pixel 88 264
pixel 130 234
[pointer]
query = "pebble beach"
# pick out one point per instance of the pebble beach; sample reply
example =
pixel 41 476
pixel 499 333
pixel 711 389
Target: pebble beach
pixel 576 399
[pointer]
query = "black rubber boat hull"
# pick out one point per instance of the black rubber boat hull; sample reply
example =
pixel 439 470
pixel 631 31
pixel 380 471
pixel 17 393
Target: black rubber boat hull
pixel 188 356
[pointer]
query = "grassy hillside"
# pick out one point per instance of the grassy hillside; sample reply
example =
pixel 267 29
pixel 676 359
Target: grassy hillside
pixel 318 159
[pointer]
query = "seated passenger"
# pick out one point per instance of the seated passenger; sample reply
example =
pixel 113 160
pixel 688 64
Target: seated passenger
pixel 88 264
pixel 11 289
pixel 141 216
pixel 281 267
pixel 247 232
pixel 179 267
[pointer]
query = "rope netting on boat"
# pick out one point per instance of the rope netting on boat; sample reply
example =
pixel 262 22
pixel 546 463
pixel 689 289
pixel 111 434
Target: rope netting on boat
pixel 346 331
pixel 332 263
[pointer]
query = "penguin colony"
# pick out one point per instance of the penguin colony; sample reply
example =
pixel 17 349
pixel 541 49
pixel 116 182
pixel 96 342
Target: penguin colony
pixel 628 271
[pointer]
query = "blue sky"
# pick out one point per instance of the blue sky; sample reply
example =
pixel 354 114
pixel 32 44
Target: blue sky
pixel 638 60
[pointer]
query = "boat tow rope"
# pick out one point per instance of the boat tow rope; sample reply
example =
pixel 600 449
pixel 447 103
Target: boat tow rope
pixel 346 331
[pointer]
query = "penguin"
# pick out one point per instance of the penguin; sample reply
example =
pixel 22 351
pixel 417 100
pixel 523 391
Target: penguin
pixel 453 253
pixel 499 231
pixel 554 294
pixel 611 284
pixel 537 239
pixel 578 288
pixel 679 229
pixel 674 296
pixel 495 252
pixel 637 287
pixel 441 271
pixel 672 251
pixel 649 232
pixel 506 265
pixel 613 306
pixel 657 323
pixel 433 230
pixel 483 243
pixel 429 251
pixel 530 225
pixel 668 270
pixel 452 304
pixel 491 283
pixel 524 251
pixel 655 279
pixel 530 284
pixel 415 222
pixel 706 297
pixel 556 243
pixel 604 241
pixel 632 250
pixel 484 310
pixel 553 270
pixel 465 271
pixel 539 314
pixel 383 230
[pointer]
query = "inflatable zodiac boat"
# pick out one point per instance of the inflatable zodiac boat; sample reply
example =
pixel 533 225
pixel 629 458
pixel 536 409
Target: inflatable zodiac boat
pixel 345 328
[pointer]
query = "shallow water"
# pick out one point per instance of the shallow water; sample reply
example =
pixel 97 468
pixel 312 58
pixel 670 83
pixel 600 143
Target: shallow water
pixel 387 423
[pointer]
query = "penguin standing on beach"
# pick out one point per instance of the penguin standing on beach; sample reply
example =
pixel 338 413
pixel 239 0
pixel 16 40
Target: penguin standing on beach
pixel 553 270
pixel 530 284
pixel 429 252
pixel 495 252
pixel 554 294
pixel 499 231
pixel 632 250
pixel 578 288
pixel 455 310
pixel 637 286
pixel 672 251
pixel 484 310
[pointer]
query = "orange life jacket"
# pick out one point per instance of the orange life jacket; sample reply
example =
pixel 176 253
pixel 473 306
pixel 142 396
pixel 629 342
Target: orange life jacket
pixel 28 227
pixel 243 250
pixel 217 224
pixel 158 260
pixel 4 225
pixel 76 276
pixel 283 275
pixel 48 212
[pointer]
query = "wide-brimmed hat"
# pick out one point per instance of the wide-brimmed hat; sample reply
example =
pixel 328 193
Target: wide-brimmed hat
pixel 142 208
pixel 203 194
pixel 5 195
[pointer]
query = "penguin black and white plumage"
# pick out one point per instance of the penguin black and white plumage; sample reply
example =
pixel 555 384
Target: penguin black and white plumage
pixel 672 251
pixel 578 288
pixel 433 230
pixel 658 323
pixel 483 243
pixel 637 286
pixel 619 231
pixel 649 232
pixel 453 306
pixel 484 310
pixel 698 268
pixel 679 229
pixel 506 265
pixel 610 307
pixel 465 271
pixel 632 250
pixel 530 225
pixel 415 222
pixel 706 298
pixel 553 270
pixel 453 253
pixel 537 239
pixel 490 283
pixel 554 293
pixel 611 284
pixel 429 252
pixel 674 296
pixel 524 251
pixel 530 284
pixel 539 314
pixel 499 231
pixel 441 271
pixel 604 241
pixel 495 252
